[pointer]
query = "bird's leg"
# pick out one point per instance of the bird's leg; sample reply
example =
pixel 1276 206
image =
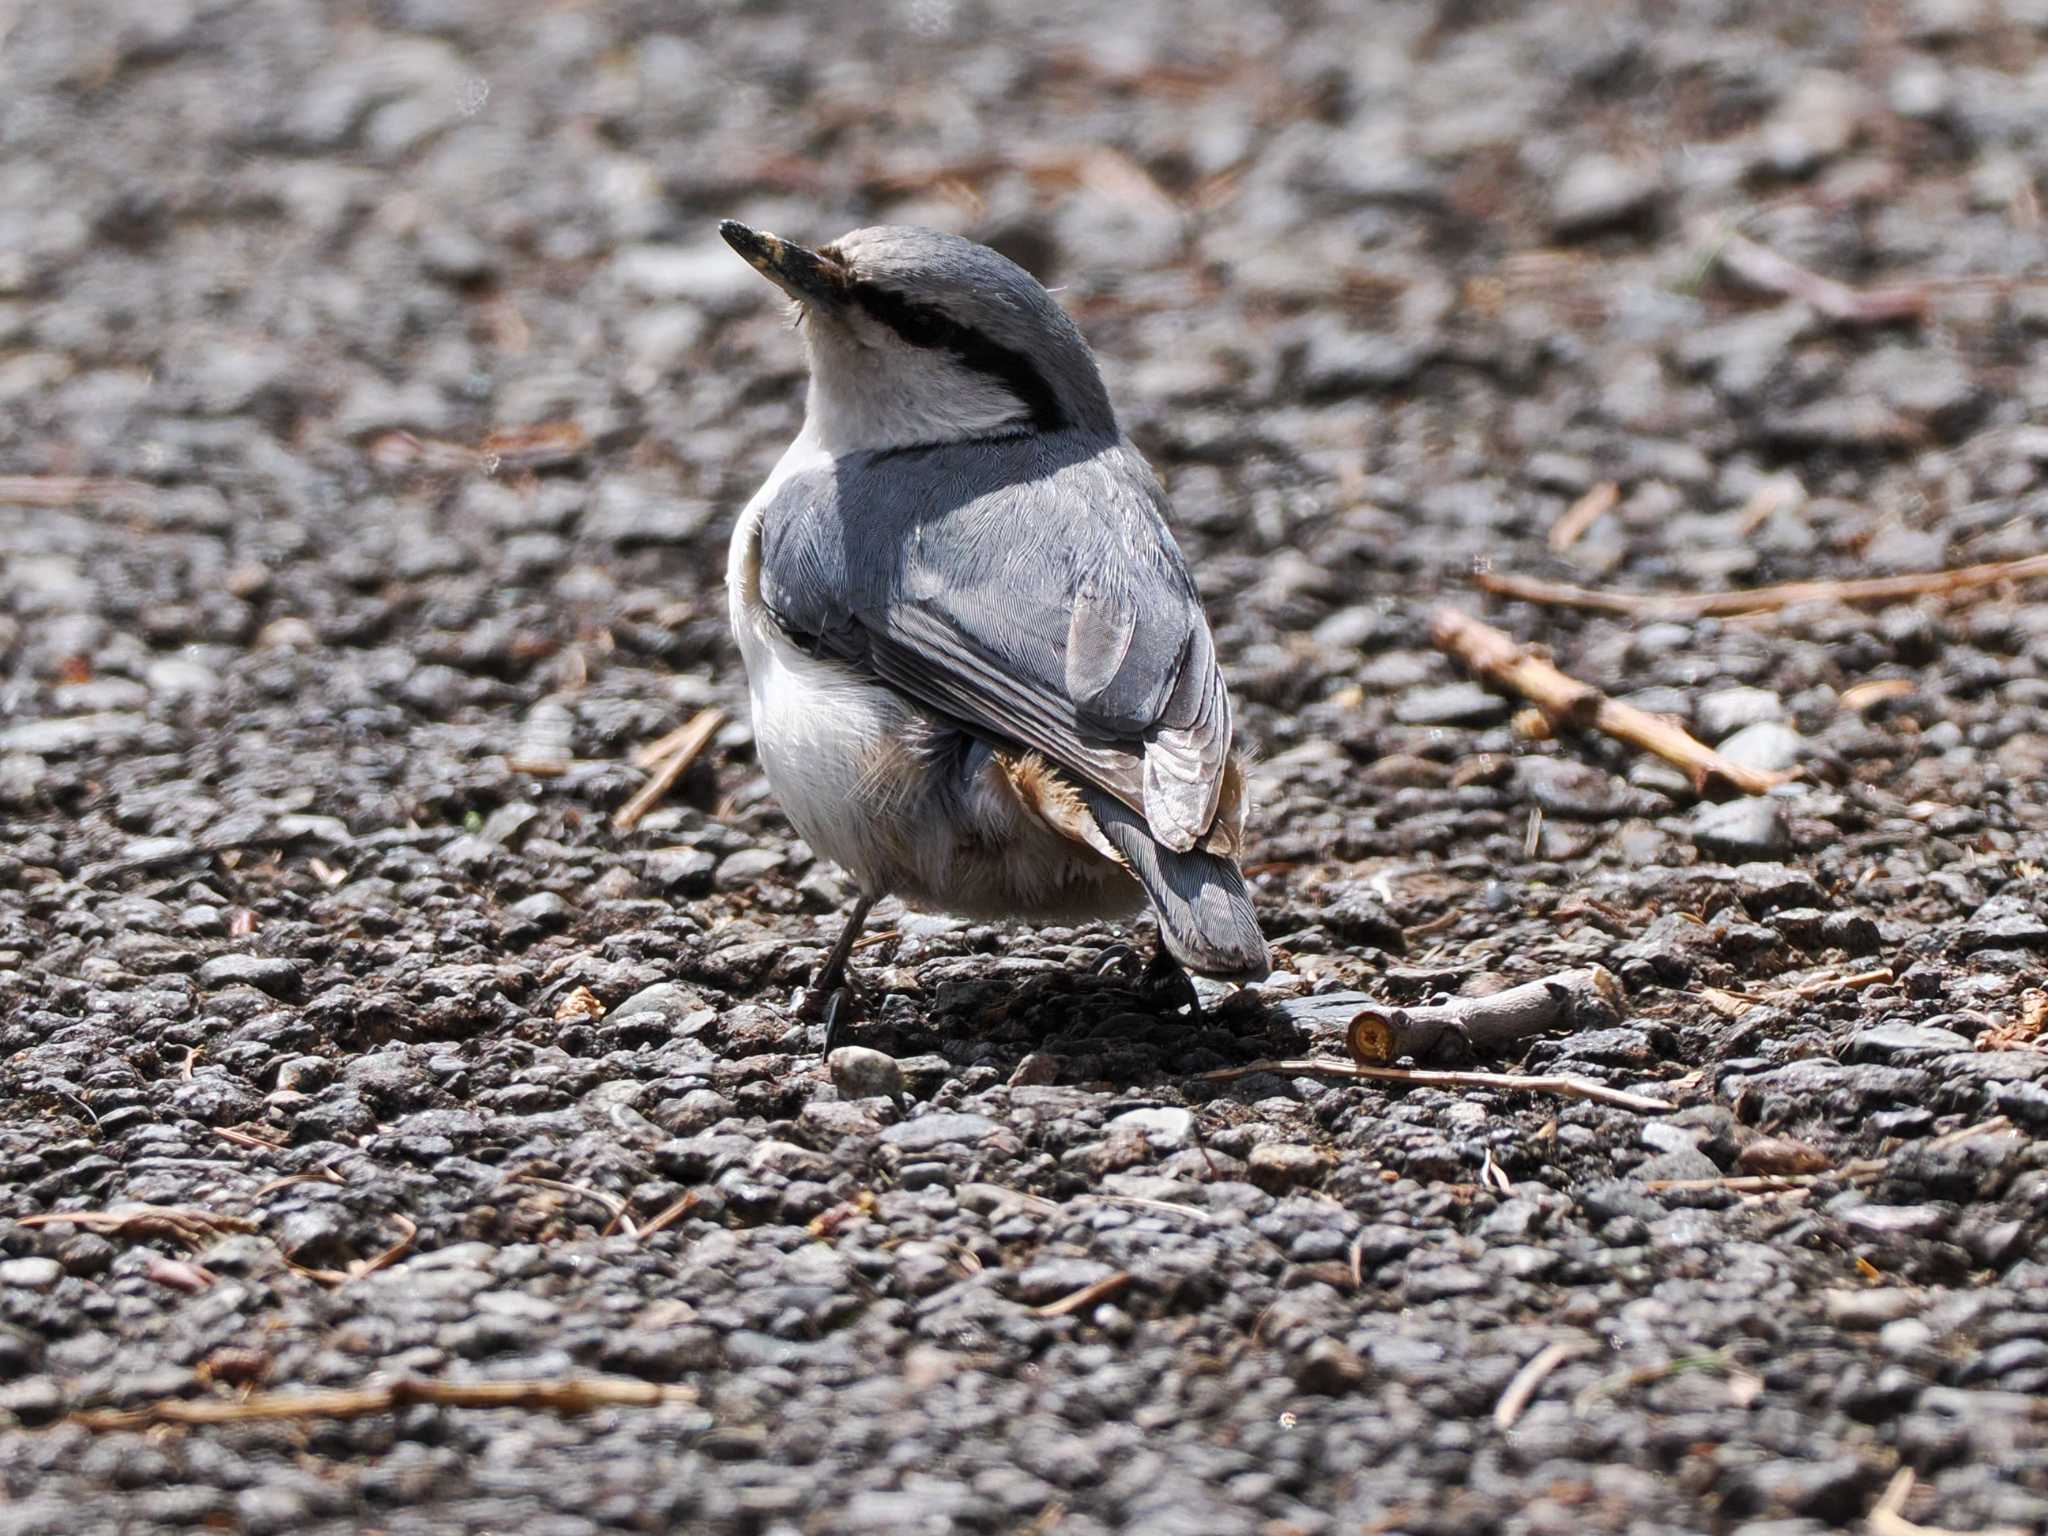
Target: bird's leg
pixel 830 997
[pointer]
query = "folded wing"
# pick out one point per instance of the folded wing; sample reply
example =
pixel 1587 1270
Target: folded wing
pixel 1027 588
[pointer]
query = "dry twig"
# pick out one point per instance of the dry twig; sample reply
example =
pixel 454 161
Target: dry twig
pixel 1086 1297
pixel 690 743
pixel 246 1139
pixel 1464 1025
pixel 69 490
pixel 2020 1032
pixel 1419 1077
pixel 667 1216
pixel 1522 1390
pixel 1762 267
pixel 569 1395
pixel 1731 1003
pixel 620 1212
pixel 1495 659
pixel 194 1228
pixel 362 1267
pixel 1583 514
pixel 1887 1515
pixel 1862 696
pixel 1860 1172
pixel 1705 605
pixel 1643 1376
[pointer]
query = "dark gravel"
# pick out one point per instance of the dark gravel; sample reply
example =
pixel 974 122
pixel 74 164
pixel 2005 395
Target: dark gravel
pixel 288 934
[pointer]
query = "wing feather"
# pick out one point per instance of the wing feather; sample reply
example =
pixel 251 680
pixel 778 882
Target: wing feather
pixel 1028 589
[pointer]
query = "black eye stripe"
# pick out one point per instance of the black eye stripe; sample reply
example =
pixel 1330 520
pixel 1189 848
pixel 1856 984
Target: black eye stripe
pixel 923 325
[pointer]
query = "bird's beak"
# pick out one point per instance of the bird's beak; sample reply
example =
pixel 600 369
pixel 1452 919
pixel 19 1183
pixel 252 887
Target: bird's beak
pixel 805 275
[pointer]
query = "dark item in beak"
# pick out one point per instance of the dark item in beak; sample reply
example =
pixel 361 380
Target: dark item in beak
pixel 803 274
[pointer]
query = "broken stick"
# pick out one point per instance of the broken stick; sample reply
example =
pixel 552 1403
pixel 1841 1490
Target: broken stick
pixel 688 744
pixel 569 1395
pixel 1762 267
pixel 1887 1516
pixel 1494 658
pixel 1722 605
pixel 1583 514
pixel 1419 1077
pixel 1460 1027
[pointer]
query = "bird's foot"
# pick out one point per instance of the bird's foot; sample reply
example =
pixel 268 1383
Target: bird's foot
pixel 833 1001
pixel 1115 957
pixel 1167 982
pixel 1161 980
pixel 841 1008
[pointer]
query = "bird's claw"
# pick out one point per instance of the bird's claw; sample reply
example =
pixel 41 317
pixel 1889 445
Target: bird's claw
pixel 1172 986
pixel 839 1012
pixel 834 1007
pixel 1161 979
pixel 1114 957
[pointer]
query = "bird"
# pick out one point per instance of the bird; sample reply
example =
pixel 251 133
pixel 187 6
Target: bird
pixel 980 674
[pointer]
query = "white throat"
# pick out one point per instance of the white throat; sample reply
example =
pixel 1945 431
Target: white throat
pixel 860 401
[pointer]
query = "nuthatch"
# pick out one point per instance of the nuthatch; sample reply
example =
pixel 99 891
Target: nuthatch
pixel 980 673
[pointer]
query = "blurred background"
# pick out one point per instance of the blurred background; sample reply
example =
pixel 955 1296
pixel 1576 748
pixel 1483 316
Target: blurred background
pixel 408 320
pixel 375 400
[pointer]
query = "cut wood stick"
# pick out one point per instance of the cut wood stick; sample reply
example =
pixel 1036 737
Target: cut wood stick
pixel 1464 1026
pixel 1522 1390
pixel 690 743
pixel 1422 1077
pixel 567 1395
pixel 1494 658
pixel 1583 514
pixel 1708 605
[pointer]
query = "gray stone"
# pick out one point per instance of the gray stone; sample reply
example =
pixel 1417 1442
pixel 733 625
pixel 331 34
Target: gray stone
pixel 1280 1165
pixel 1572 790
pixel 2006 922
pixel 1769 745
pixel 928 1132
pixel 1450 704
pixel 1338 362
pixel 31 1274
pixel 61 737
pixel 267 973
pixel 1749 828
pixel 1727 710
pixel 1597 192
pixel 860 1073
pixel 1904 1043
pixel 1899 1220
pixel 1867 1310
pixel 747 867
pixel 1164 1127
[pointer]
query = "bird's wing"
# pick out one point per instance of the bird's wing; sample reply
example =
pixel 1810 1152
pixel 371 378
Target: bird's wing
pixel 1028 589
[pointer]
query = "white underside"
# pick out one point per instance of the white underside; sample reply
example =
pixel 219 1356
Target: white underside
pixel 882 789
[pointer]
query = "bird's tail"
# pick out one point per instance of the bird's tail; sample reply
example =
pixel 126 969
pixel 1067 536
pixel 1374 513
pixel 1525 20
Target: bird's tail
pixel 1205 913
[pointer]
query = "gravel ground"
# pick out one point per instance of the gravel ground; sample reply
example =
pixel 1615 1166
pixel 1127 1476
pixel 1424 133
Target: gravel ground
pixel 419 396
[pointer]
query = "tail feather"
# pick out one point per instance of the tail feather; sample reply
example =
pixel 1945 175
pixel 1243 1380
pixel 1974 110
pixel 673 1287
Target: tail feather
pixel 1205 913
